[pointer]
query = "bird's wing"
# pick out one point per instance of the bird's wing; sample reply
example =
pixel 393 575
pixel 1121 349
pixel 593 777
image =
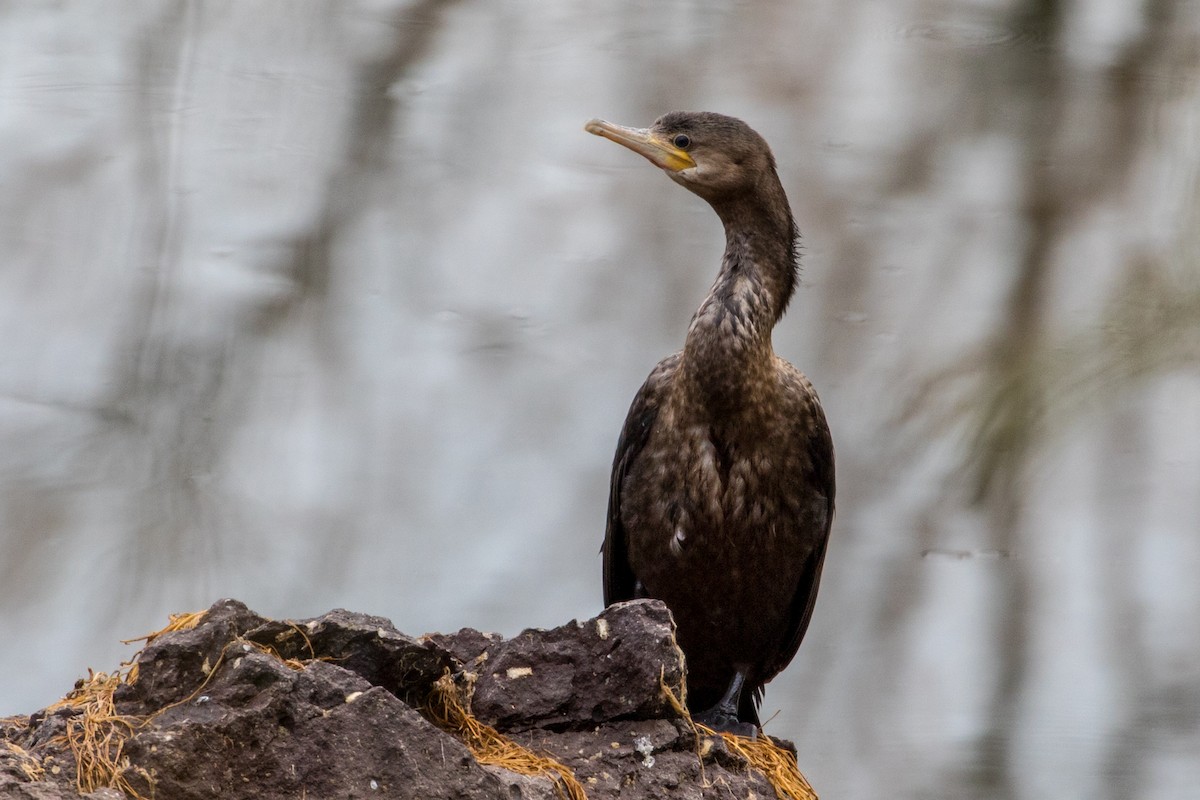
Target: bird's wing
pixel 820 444
pixel 619 581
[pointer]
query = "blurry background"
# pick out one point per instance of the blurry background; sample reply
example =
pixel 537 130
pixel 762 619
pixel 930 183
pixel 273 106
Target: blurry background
pixel 335 304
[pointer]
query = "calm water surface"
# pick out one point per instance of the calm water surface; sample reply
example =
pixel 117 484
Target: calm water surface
pixel 331 305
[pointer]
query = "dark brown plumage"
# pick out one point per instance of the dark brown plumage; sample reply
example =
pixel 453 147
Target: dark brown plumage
pixel 723 483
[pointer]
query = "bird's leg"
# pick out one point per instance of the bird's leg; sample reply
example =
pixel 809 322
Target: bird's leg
pixel 723 717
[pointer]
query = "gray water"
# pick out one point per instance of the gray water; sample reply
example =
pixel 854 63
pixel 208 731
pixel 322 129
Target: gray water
pixel 336 304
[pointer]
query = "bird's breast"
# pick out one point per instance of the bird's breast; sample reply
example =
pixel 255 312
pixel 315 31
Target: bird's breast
pixel 695 496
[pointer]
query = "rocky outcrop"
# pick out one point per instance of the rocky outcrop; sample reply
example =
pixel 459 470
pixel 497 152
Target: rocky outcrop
pixel 230 704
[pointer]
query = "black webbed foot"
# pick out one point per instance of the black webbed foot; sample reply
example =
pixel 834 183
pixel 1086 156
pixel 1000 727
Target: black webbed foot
pixel 721 721
pixel 723 717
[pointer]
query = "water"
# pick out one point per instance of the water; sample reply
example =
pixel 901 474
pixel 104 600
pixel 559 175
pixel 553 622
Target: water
pixel 337 305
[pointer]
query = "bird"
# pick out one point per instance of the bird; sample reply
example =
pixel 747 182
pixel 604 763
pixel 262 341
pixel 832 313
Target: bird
pixel 722 490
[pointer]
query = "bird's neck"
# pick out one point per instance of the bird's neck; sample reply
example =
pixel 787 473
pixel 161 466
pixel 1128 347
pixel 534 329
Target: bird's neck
pixel 728 351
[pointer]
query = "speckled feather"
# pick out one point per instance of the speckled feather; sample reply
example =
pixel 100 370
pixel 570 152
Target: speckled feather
pixel 722 487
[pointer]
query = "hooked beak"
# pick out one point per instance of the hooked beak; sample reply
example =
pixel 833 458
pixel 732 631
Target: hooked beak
pixel 644 142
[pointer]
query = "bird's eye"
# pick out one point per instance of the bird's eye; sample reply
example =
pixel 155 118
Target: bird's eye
pixel 682 141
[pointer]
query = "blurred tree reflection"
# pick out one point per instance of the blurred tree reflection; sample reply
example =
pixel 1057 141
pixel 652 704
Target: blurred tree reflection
pixel 1018 395
pixel 335 304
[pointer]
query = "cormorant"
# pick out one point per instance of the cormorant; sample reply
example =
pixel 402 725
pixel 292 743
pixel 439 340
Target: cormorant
pixel 722 485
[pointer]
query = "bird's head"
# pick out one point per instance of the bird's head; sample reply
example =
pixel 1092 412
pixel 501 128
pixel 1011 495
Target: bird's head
pixel 713 155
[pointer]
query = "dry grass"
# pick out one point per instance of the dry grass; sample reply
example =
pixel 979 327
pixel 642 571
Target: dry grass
pixel 176 622
pixel 777 765
pixel 676 696
pixel 445 709
pixel 29 765
pixel 96 735
pixel 295 664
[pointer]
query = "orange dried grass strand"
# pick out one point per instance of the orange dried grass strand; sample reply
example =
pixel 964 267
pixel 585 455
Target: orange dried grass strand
pixel 446 710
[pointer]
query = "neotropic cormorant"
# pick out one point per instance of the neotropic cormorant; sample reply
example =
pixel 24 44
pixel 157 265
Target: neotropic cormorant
pixel 722 485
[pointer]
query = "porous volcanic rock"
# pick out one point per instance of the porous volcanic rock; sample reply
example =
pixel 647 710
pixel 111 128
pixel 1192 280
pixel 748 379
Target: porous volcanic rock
pixel 240 706
pixel 577 675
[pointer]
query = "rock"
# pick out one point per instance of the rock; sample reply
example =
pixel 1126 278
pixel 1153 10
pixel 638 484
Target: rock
pixel 321 731
pixel 469 646
pixel 172 666
pixel 340 706
pixel 582 673
pixel 366 645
